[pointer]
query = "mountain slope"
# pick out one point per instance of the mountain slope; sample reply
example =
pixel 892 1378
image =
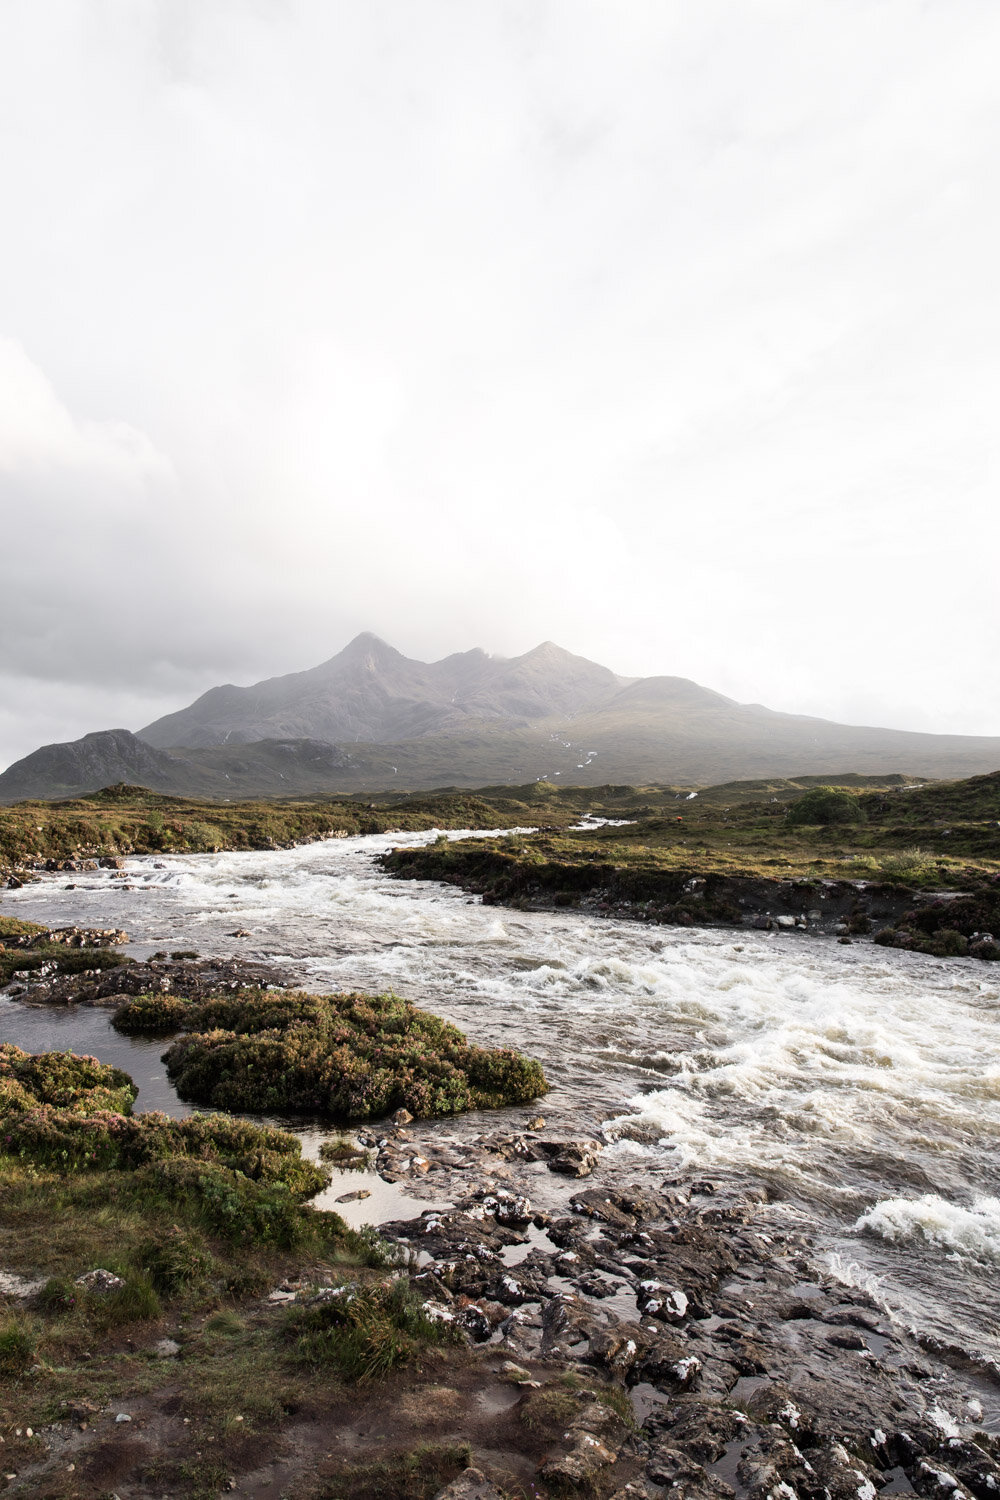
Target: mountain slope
pixel 371 719
pixel 272 768
pixel 371 692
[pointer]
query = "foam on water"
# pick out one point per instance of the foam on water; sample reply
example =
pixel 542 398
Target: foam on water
pixel 932 1219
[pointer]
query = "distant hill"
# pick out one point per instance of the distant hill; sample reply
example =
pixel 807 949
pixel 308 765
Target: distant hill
pixel 371 719
pixel 272 768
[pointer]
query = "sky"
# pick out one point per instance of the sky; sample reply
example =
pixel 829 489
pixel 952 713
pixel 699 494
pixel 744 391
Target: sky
pixel 667 332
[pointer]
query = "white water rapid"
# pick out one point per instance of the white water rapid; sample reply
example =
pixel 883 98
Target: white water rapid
pixel 862 1084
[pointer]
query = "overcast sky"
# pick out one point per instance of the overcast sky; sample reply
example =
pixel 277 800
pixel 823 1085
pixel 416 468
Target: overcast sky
pixel 666 331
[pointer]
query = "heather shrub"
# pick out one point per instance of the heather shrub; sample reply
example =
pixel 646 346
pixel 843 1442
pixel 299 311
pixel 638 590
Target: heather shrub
pixel 151 1015
pixel 62 1079
pixel 74 1113
pixel 349 1057
pixel 227 1204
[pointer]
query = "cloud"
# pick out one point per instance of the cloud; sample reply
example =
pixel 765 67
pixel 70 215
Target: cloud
pixel 667 333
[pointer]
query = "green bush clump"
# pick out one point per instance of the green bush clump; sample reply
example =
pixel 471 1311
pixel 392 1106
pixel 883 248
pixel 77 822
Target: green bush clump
pixel 349 1057
pixel 74 1113
pixel 63 1079
pixel 174 1261
pixel 151 1015
pixel 362 1332
pixel 826 805
pixel 134 1302
pixel 58 1295
pixel 230 1205
pixel 17 1349
pixel 947 943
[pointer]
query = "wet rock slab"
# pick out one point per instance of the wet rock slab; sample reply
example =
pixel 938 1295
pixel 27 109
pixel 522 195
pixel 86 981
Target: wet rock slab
pixel 752 1372
pixel 192 979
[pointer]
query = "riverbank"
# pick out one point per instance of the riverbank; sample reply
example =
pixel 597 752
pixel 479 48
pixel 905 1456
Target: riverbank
pixel 917 868
pixel 81 834
pixel 558 1317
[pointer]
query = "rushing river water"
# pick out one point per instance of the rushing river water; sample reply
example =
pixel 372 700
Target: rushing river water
pixel 863 1085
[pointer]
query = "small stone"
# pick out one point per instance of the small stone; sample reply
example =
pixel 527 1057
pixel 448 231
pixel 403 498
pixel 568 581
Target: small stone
pixel 123 1416
pixel 100 1283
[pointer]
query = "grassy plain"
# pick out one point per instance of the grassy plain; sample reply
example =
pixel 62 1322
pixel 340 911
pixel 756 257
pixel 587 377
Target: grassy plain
pixel 122 820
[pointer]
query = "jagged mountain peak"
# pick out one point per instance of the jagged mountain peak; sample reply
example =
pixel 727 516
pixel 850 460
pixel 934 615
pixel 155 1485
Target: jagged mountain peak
pixel 371 692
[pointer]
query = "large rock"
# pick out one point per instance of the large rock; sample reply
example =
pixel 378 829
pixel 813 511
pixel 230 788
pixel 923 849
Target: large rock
pixel 472 1485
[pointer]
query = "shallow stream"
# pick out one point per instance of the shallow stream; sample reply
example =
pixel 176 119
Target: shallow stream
pixel 862 1084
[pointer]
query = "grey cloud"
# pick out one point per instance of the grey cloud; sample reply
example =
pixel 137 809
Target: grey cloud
pixel 667 332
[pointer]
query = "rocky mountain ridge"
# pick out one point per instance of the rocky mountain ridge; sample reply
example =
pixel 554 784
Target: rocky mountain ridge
pixel 371 719
pixel 370 692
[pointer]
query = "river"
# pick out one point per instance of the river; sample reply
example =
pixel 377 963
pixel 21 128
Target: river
pixel 863 1085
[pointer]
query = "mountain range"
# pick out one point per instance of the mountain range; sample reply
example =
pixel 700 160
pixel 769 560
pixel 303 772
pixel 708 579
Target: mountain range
pixel 370 719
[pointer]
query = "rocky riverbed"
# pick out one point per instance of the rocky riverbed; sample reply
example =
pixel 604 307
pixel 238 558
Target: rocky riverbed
pixel 567 1266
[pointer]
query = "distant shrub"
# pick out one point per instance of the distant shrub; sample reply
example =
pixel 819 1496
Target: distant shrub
pixel 826 805
pixel 908 864
pixel 947 943
pixel 203 837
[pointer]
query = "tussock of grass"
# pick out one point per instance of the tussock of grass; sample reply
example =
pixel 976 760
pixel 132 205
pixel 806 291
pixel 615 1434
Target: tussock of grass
pixel 362 1332
pixel 17 1347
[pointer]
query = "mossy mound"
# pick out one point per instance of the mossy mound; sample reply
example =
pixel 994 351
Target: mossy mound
pixel 347 1057
pixel 75 1114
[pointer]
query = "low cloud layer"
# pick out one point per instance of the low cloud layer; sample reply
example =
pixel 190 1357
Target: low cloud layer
pixel 666 332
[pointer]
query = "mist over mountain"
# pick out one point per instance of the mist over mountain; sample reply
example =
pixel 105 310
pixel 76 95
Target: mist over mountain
pixel 370 719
